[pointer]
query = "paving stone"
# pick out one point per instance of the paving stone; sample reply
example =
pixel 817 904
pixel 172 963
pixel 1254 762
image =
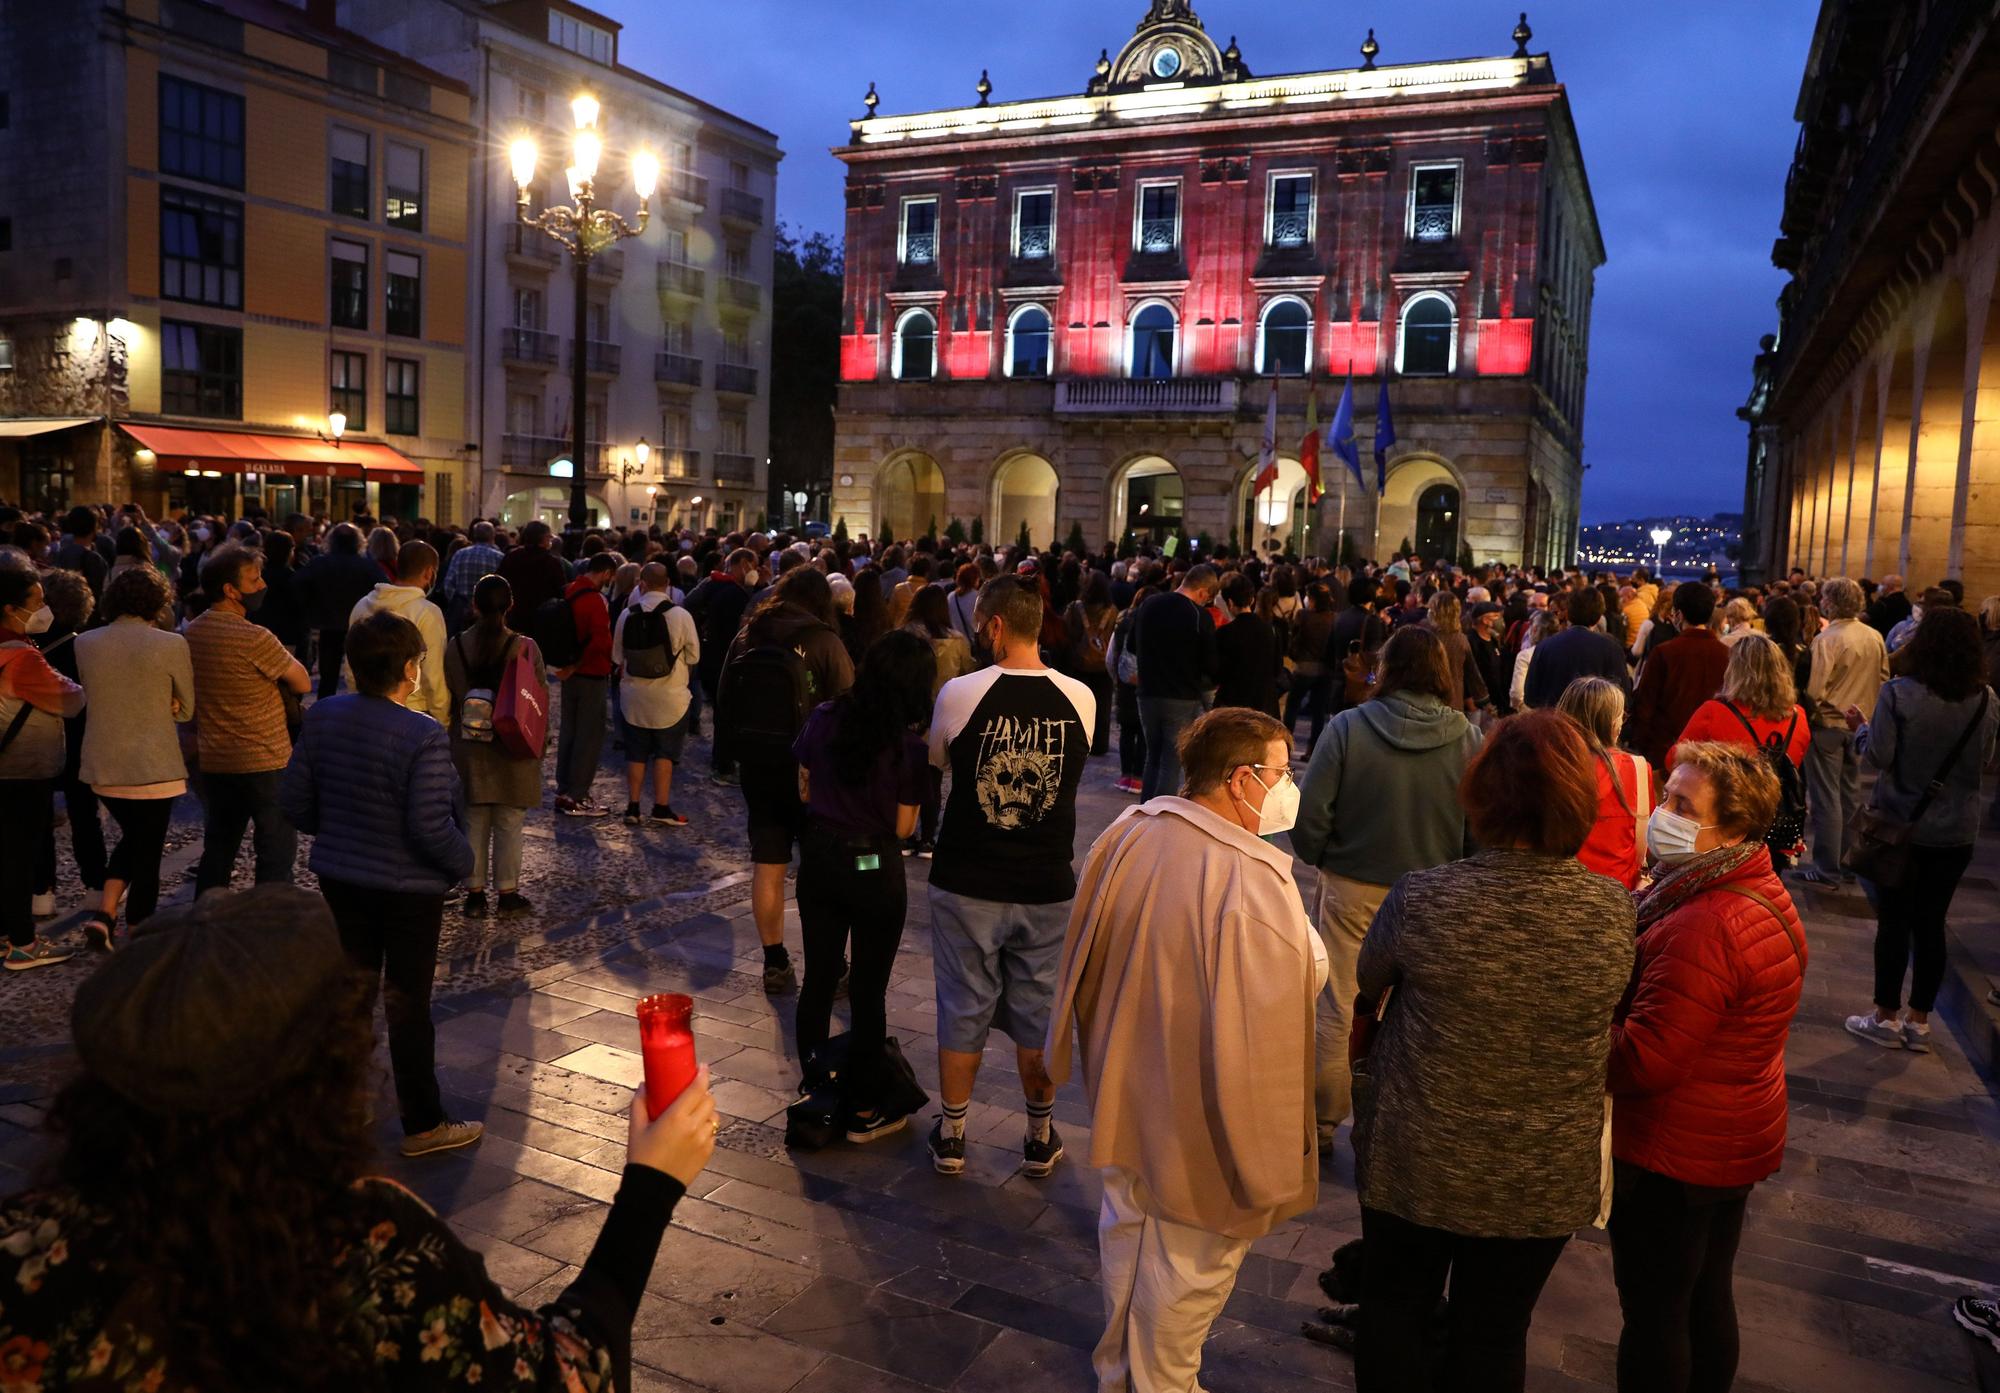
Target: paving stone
pixel 884 1331
pixel 1015 1361
pixel 716 1352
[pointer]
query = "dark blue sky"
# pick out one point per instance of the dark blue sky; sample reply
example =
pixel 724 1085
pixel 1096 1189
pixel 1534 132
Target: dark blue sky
pixel 1684 110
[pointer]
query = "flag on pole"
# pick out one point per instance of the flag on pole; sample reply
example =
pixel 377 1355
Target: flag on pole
pixel 1340 435
pixel 1309 447
pixel 1385 436
pixel 1267 461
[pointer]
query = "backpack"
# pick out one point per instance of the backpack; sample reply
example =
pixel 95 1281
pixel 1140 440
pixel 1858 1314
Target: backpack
pixel 1788 828
pixel 1091 648
pixel 475 708
pixel 649 644
pixel 764 697
pixel 556 632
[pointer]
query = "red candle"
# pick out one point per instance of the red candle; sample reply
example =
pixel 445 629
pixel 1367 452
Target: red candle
pixel 666 1042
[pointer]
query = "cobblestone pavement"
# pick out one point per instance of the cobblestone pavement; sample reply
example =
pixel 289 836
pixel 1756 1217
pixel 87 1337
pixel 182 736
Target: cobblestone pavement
pixel 858 1268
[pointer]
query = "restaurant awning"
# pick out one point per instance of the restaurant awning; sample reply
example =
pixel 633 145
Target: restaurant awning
pixel 16 428
pixel 244 452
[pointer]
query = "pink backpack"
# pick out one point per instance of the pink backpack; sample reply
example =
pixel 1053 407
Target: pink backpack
pixel 521 706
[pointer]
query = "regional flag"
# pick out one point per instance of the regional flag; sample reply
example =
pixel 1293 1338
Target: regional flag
pixel 1309 447
pixel 1340 435
pixel 1385 436
pixel 1267 472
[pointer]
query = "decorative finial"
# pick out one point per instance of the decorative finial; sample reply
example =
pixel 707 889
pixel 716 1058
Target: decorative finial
pixel 871 101
pixel 1104 62
pixel 1369 48
pixel 985 87
pixel 1232 54
pixel 1522 33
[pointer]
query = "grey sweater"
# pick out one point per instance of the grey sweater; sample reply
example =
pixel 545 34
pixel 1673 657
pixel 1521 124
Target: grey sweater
pixel 132 673
pixel 1481 1106
pixel 1381 795
pixel 1911 732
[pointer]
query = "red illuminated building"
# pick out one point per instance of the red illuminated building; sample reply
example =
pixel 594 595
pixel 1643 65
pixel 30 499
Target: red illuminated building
pixel 1070 311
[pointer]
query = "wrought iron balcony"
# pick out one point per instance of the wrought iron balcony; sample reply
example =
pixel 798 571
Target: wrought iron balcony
pixel 735 469
pixel 747 295
pixel 1159 236
pixel 1035 243
pixel 1141 396
pixel 1291 230
pixel 531 453
pixel 601 358
pixel 529 246
pixel 677 462
pixel 688 188
pixel 682 280
pixel 741 207
pixel 609 264
pixel 529 347
pixel 1431 222
pixel 736 377
pixel 920 249
pixel 677 369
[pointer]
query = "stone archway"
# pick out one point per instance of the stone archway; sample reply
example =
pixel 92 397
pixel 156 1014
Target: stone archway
pixel 1024 490
pixel 909 497
pixel 1147 501
pixel 1410 477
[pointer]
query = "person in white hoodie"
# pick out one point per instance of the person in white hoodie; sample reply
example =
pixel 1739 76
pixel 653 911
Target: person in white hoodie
pixel 416 572
pixel 656 644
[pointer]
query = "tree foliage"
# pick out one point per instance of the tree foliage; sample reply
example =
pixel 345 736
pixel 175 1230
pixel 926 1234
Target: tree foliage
pixel 806 278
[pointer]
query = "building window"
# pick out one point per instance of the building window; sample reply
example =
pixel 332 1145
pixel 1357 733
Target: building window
pixel 915 347
pixel 201 370
pixel 566 31
pixel 1434 203
pixel 1428 343
pixel 675 461
pixel 399 397
pixel 531 104
pixel 1028 342
pixel 1156 230
pixel 1284 339
pixel 736 346
pixel 405 295
pixel 527 308
pixel 45 482
pixel 739 176
pixel 403 186
pixel 733 430
pixel 524 414
pixel 916 243
pixel 1035 224
pixel 201 133
pixel 348 376
pixel 736 261
pixel 677 336
pixel 348 160
pixel 201 249
pixel 1289 221
pixel 1152 349
pixel 349 309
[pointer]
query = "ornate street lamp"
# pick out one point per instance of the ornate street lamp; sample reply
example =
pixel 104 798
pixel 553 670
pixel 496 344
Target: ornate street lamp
pixel 1661 536
pixel 585 229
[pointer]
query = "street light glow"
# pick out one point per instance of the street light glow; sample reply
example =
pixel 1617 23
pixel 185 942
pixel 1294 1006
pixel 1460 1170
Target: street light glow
pixel 522 155
pixel 642 452
pixel 583 107
pixel 1662 535
pixel 336 424
pixel 645 173
pixel 588 149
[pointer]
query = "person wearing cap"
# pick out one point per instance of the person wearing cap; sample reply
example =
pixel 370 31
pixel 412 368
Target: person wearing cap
pixel 373 784
pixel 211 1221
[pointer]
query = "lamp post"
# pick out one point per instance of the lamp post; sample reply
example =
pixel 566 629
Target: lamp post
pixel 1661 536
pixel 585 229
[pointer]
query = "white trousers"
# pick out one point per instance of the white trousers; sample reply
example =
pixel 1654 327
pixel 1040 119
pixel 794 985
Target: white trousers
pixel 1164 1284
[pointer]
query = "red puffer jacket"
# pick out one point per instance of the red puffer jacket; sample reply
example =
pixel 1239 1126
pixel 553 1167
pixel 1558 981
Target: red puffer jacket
pixel 1698 1048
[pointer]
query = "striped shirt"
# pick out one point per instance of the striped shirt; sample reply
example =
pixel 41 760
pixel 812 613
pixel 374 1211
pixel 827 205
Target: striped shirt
pixel 468 566
pixel 239 718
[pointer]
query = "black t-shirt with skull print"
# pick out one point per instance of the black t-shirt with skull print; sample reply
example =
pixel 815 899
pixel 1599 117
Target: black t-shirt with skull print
pixel 1015 743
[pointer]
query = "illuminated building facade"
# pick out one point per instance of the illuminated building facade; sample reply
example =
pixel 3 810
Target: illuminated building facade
pixel 1069 312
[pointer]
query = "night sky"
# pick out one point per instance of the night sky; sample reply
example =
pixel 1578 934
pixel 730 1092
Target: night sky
pixel 1684 111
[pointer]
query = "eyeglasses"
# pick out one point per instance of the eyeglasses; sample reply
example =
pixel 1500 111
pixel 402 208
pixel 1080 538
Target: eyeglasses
pixel 1284 769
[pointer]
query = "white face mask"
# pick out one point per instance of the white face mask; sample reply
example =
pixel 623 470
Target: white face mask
pixel 752 577
pixel 1281 804
pixel 1671 837
pixel 41 621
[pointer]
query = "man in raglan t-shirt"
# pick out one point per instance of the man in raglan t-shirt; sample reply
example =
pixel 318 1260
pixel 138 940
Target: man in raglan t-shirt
pixel 1015 737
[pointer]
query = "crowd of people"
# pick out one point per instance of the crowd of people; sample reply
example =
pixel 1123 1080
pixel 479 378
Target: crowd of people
pixel 1548 974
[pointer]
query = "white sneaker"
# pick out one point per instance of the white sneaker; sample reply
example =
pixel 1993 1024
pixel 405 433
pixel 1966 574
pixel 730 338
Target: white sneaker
pixel 1875 1030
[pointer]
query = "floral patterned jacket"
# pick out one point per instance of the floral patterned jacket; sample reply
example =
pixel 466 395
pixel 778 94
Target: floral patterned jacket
pixel 435 1319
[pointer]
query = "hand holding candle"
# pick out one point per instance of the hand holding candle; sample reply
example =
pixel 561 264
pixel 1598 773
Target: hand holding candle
pixel 666 1043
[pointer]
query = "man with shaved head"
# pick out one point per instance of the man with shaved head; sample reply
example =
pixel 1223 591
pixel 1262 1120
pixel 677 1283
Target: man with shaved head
pixel 656 644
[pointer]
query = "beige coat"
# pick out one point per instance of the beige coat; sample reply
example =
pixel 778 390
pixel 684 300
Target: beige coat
pixel 1187 988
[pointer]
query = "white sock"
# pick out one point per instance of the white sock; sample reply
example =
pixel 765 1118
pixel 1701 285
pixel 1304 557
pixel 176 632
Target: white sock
pixel 954 1119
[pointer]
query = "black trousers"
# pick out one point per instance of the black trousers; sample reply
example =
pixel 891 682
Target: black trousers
pixel 142 841
pixel 1494 1285
pixel 1100 683
pixel 392 936
pixel 1131 733
pixel 332 650
pixel 26 806
pixel 838 906
pixel 1673 1255
pixel 1909 927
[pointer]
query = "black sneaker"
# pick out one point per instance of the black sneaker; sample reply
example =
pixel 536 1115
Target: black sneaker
pixel 632 814
pixel 780 979
pixel 725 780
pixel 1038 1158
pixel 947 1153
pixel 1979 1317
pixel 926 850
pixel 910 847
pixel 475 904
pixel 514 902
pixel 867 1129
pixel 666 817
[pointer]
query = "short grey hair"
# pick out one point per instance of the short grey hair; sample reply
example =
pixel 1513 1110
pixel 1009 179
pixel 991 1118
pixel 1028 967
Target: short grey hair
pixel 1840 598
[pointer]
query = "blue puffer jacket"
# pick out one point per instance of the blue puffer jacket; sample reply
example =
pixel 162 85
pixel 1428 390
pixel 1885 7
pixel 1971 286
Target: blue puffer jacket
pixel 374 785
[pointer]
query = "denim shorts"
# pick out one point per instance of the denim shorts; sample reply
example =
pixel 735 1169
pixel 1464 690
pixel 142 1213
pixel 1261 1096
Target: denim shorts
pixel 996 966
pixel 644 744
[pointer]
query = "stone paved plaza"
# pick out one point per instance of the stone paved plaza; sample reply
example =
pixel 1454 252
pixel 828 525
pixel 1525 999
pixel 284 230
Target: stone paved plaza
pixel 858 1268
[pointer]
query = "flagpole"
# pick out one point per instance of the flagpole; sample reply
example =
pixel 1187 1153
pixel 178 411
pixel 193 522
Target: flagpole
pixel 1375 548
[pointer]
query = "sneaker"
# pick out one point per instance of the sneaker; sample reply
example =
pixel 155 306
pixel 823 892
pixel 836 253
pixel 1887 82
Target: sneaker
pixel 1813 875
pixel 514 902
pixel 780 979
pixel 947 1153
pixel 97 931
pixel 865 1130
pixel 1038 1158
pixel 910 848
pixel 665 817
pixel 1340 1337
pixel 1916 1037
pixel 475 904
pixel 1978 1316
pixel 632 814
pixel 446 1136
pixel 40 953
pixel 580 807
pixel 1875 1030
pixel 729 780
pixel 926 850
pixel 44 906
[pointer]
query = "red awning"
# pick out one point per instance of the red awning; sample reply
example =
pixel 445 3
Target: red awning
pixel 242 452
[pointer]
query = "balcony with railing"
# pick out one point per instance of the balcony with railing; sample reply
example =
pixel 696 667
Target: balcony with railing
pixel 678 462
pixel 739 378
pixel 676 370
pixel 609 264
pixel 735 469
pixel 529 246
pixel 1140 396
pixel 532 453
pixel 533 348
pixel 600 358
pixel 1291 231
pixel 1159 236
pixel 742 294
pixel 920 249
pixel 683 281
pixel 691 189
pixel 1432 222
pixel 741 207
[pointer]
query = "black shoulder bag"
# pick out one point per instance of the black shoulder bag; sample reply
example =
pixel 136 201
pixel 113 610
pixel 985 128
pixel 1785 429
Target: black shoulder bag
pixel 1878 842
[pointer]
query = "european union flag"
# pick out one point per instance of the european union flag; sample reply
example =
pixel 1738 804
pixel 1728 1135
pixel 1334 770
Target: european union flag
pixel 1385 436
pixel 1340 434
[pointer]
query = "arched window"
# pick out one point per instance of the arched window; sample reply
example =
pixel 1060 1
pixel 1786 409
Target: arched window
pixel 1437 523
pixel 1028 342
pixel 1153 342
pixel 1284 339
pixel 1428 345
pixel 916 347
